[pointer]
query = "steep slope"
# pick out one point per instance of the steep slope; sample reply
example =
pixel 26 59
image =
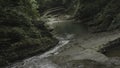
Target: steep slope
pixel 22 34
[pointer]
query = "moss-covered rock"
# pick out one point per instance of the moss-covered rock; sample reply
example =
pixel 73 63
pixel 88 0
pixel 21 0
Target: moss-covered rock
pixel 22 34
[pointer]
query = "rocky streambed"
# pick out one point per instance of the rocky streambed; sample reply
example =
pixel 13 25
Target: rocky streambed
pixel 77 48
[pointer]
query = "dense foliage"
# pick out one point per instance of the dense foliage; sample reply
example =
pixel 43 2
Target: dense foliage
pixel 47 4
pixel 22 33
pixel 99 15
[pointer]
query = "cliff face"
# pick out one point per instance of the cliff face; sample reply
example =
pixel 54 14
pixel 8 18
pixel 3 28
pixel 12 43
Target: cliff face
pixel 100 15
pixel 22 34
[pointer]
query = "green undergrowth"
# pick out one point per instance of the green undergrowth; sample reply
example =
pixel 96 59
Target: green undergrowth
pixel 100 15
pixel 22 34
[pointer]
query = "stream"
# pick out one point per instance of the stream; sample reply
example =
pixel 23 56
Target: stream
pixel 65 32
pixel 69 52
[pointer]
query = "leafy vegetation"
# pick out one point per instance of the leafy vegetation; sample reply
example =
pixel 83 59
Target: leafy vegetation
pixel 99 15
pixel 22 34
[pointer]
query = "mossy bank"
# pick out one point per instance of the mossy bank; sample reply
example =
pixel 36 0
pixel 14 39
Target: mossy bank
pixel 22 34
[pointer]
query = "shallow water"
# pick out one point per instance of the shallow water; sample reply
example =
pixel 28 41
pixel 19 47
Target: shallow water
pixel 68 33
pixel 70 28
pixel 64 31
